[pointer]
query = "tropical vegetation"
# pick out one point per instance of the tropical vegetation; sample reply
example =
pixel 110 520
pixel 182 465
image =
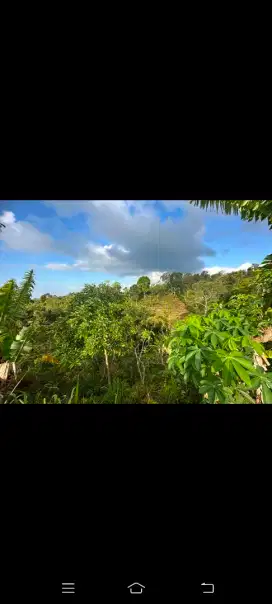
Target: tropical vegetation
pixel 189 339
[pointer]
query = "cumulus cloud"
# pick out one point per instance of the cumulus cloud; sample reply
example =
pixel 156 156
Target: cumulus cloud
pixel 7 218
pixel 155 277
pixel 138 242
pixel 23 236
pixel 228 269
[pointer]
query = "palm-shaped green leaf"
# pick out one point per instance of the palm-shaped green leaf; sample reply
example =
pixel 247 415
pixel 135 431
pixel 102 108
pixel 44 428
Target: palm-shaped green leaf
pixel 23 294
pixel 267 262
pixel 7 293
pixel 249 209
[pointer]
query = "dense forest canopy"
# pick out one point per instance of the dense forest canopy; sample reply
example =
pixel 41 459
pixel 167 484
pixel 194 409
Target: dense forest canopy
pixel 190 338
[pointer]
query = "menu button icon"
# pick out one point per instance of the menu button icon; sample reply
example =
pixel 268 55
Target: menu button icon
pixel 68 588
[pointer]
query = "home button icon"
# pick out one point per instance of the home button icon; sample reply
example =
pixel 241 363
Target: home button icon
pixel 136 588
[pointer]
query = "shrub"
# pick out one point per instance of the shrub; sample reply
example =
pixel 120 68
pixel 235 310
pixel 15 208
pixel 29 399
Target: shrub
pixel 215 353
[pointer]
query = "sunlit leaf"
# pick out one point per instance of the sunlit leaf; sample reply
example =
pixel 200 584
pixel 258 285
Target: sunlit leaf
pixel 198 361
pixel 257 347
pixel 246 396
pixel 189 356
pixel 214 340
pixel 241 372
pixel 267 394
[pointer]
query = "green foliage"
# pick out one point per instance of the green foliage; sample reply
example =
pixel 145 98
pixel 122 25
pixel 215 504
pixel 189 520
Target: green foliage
pixel 264 285
pixel 103 327
pixel 19 345
pixel 13 304
pixel 215 353
pixel 266 263
pixel 174 282
pixel 108 345
pixel 134 292
pixel 257 209
pixel 140 289
pixel 202 294
pixel 143 284
pixel 248 305
pixel 180 283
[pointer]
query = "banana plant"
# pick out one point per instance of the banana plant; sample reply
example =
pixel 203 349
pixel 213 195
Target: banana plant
pixel 13 350
pixel 13 337
pixel 13 303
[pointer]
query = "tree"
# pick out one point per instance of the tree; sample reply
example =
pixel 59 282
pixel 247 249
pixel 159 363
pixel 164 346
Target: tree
pixel 143 285
pixel 100 317
pixel 174 282
pixel 117 286
pixel 202 294
pixel 134 292
pixel 140 289
pixel 249 209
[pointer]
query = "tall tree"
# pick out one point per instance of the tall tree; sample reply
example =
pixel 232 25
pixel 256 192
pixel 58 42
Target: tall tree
pixel 198 298
pixel 99 316
pixel 174 282
pixel 143 285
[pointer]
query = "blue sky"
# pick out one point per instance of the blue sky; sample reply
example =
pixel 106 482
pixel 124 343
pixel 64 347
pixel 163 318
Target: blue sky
pixel 69 243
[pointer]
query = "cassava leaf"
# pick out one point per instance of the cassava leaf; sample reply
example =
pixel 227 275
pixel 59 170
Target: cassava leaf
pixel 241 372
pixel 189 356
pixel 198 361
pixel 214 340
pixel 267 394
pixel 257 347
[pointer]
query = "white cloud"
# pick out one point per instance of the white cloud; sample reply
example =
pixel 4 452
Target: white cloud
pixel 55 266
pixel 244 267
pixel 7 218
pixel 23 236
pixel 140 243
pixel 228 269
pixel 154 277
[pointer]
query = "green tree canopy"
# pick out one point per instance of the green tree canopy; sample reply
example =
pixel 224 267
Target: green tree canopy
pixel 198 298
pixel 143 285
pixel 174 282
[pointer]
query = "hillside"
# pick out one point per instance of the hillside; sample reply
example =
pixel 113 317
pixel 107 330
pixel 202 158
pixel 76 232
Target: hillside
pixel 166 307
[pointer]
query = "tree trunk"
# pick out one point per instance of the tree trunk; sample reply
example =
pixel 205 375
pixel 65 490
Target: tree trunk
pixel 139 364
pixel 107 366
